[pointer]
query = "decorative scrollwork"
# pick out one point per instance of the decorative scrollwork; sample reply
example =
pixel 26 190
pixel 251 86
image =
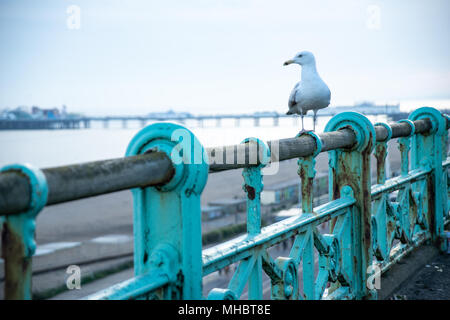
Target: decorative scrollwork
pixel 287 286
pixel 334 257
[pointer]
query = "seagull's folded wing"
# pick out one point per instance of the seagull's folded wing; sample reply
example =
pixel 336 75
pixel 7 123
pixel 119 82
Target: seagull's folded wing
pixel 294 92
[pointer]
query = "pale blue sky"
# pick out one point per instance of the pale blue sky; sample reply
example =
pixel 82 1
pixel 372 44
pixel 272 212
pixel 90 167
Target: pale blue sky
pixel 205 56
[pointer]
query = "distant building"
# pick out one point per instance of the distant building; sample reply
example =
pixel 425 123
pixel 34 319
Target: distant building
pixel 16 114
pixel 281 193
pixel 64 111
pixel 212 212
pixel 37 112
pixel 288 193
pixel 230 206
pixel 170 115
pixel 5 114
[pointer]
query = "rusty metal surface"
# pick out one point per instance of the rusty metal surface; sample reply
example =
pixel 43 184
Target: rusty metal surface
pixel 18 234
pixel 79 181
pixel 17 265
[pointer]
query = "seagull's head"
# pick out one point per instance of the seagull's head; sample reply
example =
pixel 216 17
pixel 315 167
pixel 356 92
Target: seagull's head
pixel 302 58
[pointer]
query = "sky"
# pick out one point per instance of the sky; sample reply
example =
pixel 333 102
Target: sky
pixel 106 57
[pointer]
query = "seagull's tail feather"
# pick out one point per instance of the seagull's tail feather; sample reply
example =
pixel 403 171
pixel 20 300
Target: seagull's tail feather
pixel 289 112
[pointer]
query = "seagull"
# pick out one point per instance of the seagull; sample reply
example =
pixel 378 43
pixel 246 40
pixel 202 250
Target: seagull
pixel 311 93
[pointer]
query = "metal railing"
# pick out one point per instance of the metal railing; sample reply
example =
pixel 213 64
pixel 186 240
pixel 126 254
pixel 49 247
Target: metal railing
pixel 167 168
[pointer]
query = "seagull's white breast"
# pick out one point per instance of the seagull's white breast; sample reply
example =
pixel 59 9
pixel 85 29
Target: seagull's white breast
pixel 312 94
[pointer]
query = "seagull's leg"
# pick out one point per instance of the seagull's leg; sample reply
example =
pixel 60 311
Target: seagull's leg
pixel 314 120
pixel 302 114
pixel 303 128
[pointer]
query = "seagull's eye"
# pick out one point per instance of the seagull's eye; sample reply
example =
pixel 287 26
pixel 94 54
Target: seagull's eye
pixel 300 55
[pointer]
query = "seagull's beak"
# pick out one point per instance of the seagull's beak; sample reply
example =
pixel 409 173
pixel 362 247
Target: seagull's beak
pixel 288 62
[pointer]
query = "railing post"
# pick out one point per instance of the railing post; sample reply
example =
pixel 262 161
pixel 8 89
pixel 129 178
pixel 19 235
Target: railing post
pixel 307 172
pixel 18 235
pixel 352 167
pixel 253 186
pixel 382 235
pixel 406 206
pixel 427 152
pixel 445 173
pixel 381 152
pixel 167 218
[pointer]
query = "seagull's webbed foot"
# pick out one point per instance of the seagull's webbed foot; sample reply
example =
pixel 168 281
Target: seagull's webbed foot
pixel 303 131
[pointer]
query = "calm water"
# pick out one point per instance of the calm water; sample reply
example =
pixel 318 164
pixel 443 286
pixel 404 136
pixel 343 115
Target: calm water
pixel 48 148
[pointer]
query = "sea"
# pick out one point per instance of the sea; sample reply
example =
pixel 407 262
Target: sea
pixel 51 148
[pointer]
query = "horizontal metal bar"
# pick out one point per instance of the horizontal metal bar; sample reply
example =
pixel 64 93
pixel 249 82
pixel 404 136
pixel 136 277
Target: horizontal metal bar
pixel 86 180
pixel 242 247
pixel 303 146
pixel 446 163
pixel 79 181
pixel 397 182
pixel 132 288
pixel 399 251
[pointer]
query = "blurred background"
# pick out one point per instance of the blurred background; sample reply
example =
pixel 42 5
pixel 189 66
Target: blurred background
pixel 117 62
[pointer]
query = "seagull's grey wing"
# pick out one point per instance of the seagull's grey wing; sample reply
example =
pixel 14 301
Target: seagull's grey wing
pixel 294 92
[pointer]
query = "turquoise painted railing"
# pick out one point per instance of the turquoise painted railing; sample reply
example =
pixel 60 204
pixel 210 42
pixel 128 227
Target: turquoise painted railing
pixel 368 232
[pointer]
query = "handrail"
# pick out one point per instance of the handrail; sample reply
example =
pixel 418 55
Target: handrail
pixel 73 182
pixel 79 181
